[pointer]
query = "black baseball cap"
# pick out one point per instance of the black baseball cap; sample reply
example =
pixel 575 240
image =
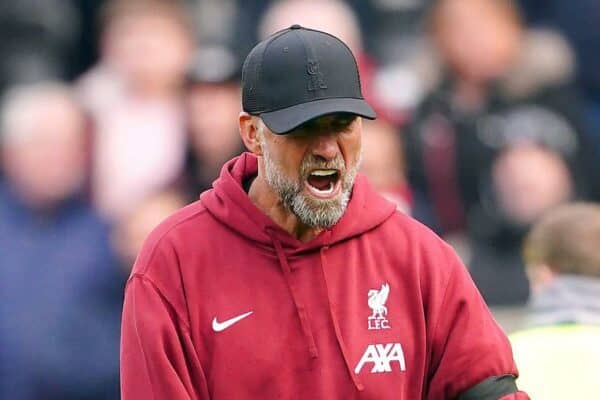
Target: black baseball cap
pixel 299 74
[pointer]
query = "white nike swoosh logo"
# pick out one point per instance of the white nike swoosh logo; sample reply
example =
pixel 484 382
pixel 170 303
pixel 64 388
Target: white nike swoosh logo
pixel 221 326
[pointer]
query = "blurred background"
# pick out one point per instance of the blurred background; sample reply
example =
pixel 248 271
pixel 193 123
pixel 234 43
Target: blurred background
pixel 115 113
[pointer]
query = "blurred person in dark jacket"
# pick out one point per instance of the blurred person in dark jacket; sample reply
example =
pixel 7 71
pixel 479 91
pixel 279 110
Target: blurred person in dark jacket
pixel 577 21
pixel 559 352
pixel 59 285
pixel 135 97
pixel 525 182
pixel 497 81
pixel 212 106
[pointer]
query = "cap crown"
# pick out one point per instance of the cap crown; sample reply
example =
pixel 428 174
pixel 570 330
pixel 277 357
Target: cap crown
pixel 296 66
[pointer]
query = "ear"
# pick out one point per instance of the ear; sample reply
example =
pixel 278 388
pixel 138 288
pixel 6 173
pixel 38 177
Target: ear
pixel 249 133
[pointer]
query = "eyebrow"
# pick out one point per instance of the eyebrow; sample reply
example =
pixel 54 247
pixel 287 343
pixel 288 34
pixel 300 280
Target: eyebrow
pixel 313 124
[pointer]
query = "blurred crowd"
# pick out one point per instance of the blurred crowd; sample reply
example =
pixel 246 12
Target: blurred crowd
pixel 115 113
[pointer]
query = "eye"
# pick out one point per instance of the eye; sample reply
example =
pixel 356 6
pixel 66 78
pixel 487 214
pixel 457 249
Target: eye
pixel 300 132
pixel 306 129
pixel 343 123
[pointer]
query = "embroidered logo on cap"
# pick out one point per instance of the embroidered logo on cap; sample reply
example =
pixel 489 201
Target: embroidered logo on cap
pixel 315 76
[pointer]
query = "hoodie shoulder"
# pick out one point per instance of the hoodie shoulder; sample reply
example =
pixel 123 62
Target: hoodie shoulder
pixel 413 228
pixel 158 263
pixel 161 238
pixel 422 245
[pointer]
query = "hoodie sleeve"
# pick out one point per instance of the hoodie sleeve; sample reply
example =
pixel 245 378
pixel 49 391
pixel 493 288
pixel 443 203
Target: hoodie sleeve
pixel 158 358
pixel 468 346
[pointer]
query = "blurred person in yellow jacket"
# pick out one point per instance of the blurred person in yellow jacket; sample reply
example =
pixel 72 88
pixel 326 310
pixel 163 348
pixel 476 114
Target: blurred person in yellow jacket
pixel 559 355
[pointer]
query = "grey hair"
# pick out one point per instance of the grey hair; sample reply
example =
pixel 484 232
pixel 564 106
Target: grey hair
pixel 19 103
pixel 260 129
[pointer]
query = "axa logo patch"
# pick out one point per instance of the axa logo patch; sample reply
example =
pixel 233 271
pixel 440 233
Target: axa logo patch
pixel 382 358
pixel 377 299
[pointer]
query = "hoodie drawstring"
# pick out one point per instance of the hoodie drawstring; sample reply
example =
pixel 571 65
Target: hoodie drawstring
pixel 336 327
pixel 300 308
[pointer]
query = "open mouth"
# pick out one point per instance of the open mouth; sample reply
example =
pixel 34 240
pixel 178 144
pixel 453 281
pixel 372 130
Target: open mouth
pixel 324 183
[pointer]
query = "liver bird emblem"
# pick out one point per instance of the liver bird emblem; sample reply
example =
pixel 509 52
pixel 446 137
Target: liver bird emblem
pixel 377 299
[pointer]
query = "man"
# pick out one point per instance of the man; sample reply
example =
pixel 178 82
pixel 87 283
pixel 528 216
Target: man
pixel 59 283
pixel 133 95
pixel 525 181
pixel 559 354
pixel 212 102
pixel 496 89
pixel 292 277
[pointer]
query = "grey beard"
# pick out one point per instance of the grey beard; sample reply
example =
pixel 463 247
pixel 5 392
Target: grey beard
pixel 316 213
pixel 313 212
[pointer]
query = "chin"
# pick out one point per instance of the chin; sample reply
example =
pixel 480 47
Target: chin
pixel 318 212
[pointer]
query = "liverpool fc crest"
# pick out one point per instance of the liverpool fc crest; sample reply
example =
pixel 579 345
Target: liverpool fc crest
pixel 377 298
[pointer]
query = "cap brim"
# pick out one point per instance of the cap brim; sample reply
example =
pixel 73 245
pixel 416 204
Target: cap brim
pixel 287 119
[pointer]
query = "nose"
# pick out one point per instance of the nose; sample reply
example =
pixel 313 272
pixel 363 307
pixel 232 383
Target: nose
pixel 326 146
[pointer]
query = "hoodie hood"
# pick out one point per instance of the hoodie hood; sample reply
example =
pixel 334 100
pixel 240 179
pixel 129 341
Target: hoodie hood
pixel 231 206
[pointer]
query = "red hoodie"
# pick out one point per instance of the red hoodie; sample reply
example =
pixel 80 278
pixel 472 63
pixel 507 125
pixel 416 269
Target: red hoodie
pixel 224 304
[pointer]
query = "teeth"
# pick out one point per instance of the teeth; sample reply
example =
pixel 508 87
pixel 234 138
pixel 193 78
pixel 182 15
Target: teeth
pixel 323 172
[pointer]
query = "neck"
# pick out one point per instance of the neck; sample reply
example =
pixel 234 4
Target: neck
pixel 263 196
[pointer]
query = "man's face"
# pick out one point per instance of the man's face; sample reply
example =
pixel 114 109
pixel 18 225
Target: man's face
pixel 312 169
pixel 48 164
pixel 478 38
pixel 151 50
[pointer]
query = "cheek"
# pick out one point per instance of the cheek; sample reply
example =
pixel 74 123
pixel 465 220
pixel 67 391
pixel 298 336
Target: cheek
pixel 288 156
pixel 351 150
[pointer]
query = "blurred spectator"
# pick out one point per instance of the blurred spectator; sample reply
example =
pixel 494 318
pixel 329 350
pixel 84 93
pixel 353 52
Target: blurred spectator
pixel 213 105
pixel 134 97
pixel 381 146
pixel 500 85
pixel 60 290
pixel 38 38
pixel 129 235
pixel 391 27
pixel 526 181
pixel 331 16
pixel 228 22
pixel 578 24
pixel 559 355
